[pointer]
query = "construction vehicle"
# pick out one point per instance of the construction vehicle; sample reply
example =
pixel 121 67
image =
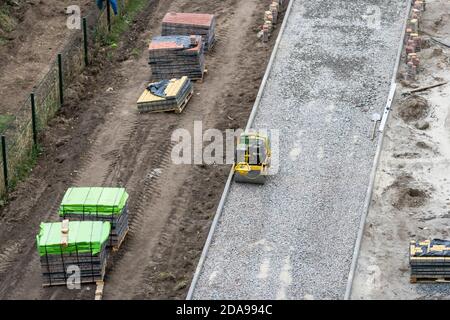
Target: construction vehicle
pixel 252 158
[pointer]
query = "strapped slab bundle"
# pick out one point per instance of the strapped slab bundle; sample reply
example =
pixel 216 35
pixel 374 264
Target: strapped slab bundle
pixel 177 56
pixel 186 24
pixel 67 247
pixel 166 95
pixel 430 260
pixel 98 204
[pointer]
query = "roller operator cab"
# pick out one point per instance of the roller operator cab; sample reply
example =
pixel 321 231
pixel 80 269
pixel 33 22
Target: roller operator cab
pixel 252 158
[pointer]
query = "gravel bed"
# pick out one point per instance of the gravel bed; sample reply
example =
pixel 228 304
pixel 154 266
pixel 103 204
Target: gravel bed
pixel 293 237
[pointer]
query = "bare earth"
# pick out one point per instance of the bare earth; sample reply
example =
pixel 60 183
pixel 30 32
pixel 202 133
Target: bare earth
pixel 39 35
pixel 411 199
pixel 99 139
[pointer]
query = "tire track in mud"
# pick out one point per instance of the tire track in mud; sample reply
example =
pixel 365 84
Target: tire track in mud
pixel 15 286
pixel 143 189
pixel 7 255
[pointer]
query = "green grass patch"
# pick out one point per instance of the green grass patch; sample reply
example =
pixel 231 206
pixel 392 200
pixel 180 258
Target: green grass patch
pixel 135 53
pixel 7 23
pixel 24 169
pixel 121 23
pixel 5 120
pixel 21 172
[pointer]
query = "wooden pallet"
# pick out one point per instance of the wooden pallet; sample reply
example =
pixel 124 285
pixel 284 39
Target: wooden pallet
pixel 99 290
pixel 429 280
pixel 200 80
pixel 185 102
pixel 178 109
pixel 117 246
pixel 63 283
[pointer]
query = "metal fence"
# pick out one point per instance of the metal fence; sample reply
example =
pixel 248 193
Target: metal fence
pixel 19 139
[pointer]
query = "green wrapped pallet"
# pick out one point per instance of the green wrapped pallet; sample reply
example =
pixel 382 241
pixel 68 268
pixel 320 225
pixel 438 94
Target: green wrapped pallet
pixel 83 237
pixel 94 200
pixel 64 245
pixel 98 204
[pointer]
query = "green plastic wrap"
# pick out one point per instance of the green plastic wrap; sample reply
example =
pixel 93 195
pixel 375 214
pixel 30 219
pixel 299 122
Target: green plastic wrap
pixel 83 237
pixel 95 201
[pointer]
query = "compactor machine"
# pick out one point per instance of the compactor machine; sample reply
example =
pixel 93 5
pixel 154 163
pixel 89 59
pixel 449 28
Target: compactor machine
pixel 252 160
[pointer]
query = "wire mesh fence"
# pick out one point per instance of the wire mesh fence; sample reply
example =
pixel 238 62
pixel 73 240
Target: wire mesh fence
pixel 19 134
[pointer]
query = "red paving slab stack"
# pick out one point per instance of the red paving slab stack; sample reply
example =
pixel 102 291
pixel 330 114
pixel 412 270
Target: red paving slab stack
pixel 187 24
pixel 176 56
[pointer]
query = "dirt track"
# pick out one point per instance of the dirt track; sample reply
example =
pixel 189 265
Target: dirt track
pixel 100 139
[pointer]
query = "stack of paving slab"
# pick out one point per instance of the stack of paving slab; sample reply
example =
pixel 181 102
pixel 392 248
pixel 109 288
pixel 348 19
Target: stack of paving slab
pixel 70 246
pixel 166 95
pixel 186 24
pixel 98 204
pixel 430 260
pixel 177 56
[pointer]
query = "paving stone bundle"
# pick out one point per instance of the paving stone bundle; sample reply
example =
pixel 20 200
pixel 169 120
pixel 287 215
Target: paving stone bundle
pixel 177 56
pixel 98 204
pixel 70 246
pixel 166 95
pixel 430 260
pixel 186 24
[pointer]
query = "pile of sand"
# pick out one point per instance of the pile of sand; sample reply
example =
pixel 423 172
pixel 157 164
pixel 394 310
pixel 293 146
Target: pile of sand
pixel 405 194
pixel 413 108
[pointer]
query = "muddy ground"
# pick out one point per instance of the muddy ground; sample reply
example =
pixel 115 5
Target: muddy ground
pixel 411 198
pixel 31 35
pixel 99 139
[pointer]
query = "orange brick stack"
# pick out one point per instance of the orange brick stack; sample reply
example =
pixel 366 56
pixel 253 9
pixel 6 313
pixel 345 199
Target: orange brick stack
pixel 186 24
pixel 413 40
pixel 176 56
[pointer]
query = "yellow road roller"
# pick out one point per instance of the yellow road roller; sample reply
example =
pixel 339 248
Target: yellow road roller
pixel 252 158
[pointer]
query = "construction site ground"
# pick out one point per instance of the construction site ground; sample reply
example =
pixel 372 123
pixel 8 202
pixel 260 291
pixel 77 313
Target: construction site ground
pixel 293 238
pixel 411 197
pixel 99 139
pixel 34 32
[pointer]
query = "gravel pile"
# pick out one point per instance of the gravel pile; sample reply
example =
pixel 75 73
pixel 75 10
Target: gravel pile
pixel 293 238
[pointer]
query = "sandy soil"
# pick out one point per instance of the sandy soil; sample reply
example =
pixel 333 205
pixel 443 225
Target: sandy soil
pixel 100 139
pixel 39 33
pixel 411 198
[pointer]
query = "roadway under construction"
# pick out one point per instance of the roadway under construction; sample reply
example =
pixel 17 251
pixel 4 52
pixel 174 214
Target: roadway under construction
pixel 294 237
